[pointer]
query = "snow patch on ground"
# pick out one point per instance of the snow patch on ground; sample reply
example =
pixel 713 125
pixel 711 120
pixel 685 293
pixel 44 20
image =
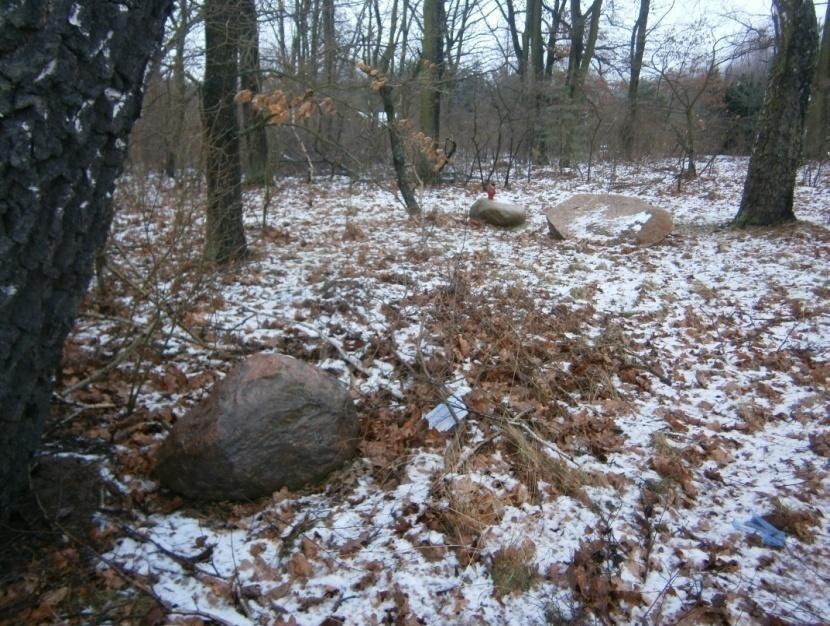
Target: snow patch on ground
pixel 728 336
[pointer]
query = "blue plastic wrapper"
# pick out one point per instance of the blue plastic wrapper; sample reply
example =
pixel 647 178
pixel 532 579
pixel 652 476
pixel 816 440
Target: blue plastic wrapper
pixel 757 525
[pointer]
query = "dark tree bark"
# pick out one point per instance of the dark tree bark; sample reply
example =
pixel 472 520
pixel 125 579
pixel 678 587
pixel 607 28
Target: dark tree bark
pixel 250 77
pixel 509 13
pixel 387 95
pixel 225 234
pixel 770 182
pixel 329 43
pixel 534 44
pixel 579 62
pixel 636 51
pixel 70 89
pixel 555 21
pixel 817 139
pixel 177 88
pixel 398 154
pixel 433 71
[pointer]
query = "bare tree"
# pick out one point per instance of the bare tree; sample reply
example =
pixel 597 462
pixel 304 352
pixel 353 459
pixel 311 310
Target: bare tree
pixel 179 96
pixel 225 234
pixel 535 45
pixel 250 77
pixel 385 89
pixel 817 141
pixel 508 11
pixel 432 72
pixel 636 50
pixel 584 32
pixel 770 181
pixel 688 62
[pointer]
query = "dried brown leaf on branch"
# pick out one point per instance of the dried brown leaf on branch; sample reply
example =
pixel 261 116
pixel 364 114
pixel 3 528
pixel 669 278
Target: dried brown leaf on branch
pixel 243 97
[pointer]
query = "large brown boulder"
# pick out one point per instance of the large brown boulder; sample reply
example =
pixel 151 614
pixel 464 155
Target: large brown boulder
pixel 273 422
pixel 498 213
pixel 609 218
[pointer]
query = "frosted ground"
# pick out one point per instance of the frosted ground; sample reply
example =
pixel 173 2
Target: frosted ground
pixel 630 409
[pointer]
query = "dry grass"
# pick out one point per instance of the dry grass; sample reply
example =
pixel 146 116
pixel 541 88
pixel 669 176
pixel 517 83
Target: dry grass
pixel 469 510
pixel 799 524
pixel 533 463
pixel 512 569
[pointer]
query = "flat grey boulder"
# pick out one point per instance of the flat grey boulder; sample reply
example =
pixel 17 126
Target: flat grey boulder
pixel 273 422
pixel 498 213
pixel 610 219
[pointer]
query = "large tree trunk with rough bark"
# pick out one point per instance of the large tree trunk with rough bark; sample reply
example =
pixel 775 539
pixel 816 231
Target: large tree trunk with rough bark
pixel 225 235
pixel 71 73
pixel 776 155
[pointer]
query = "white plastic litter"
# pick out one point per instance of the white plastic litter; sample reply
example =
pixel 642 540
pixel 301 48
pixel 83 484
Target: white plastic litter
pixel 442 418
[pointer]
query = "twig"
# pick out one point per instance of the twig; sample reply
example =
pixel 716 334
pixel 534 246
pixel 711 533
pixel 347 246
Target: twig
pixel 175 318
pixel 318 334
pixel 187 562
pixel 241 600
pixel 516 422
pixel 355 363
pixel 787 337
pixel 131 580
pixel 646 367
pixel 136 343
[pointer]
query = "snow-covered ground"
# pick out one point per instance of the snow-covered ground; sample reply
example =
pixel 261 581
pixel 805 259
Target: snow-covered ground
pixel 629 407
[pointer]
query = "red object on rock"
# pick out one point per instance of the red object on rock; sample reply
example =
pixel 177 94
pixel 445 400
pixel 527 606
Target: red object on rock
pixel 491 191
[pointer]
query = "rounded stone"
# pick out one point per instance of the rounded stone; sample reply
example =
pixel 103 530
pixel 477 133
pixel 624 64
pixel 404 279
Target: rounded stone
pixel 273 422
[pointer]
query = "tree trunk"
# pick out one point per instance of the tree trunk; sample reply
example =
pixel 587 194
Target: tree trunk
pixel 770 181
pixel 518 50
pixel 817 141
pixel 387 95
pixel 178 98
pixel 225 235
pixel 636 51
pixel 536 45
pixel 556 20
pixel 691 156
pixel 398 154
pixel 256 140
pixel 329 43
pixel 70 89
pixel 433 70
pixel 579 62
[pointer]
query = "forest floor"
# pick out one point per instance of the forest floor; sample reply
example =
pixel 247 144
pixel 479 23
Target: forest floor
pixel 630 410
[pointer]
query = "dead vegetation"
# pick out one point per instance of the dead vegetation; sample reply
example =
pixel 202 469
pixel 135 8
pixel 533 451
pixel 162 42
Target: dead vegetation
pixel 585 444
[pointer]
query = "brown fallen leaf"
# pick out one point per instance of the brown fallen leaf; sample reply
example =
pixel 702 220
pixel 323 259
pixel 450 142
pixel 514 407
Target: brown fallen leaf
pixel 299 566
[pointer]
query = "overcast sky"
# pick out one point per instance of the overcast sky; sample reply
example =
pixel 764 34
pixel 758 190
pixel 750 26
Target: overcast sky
pixel 760 8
